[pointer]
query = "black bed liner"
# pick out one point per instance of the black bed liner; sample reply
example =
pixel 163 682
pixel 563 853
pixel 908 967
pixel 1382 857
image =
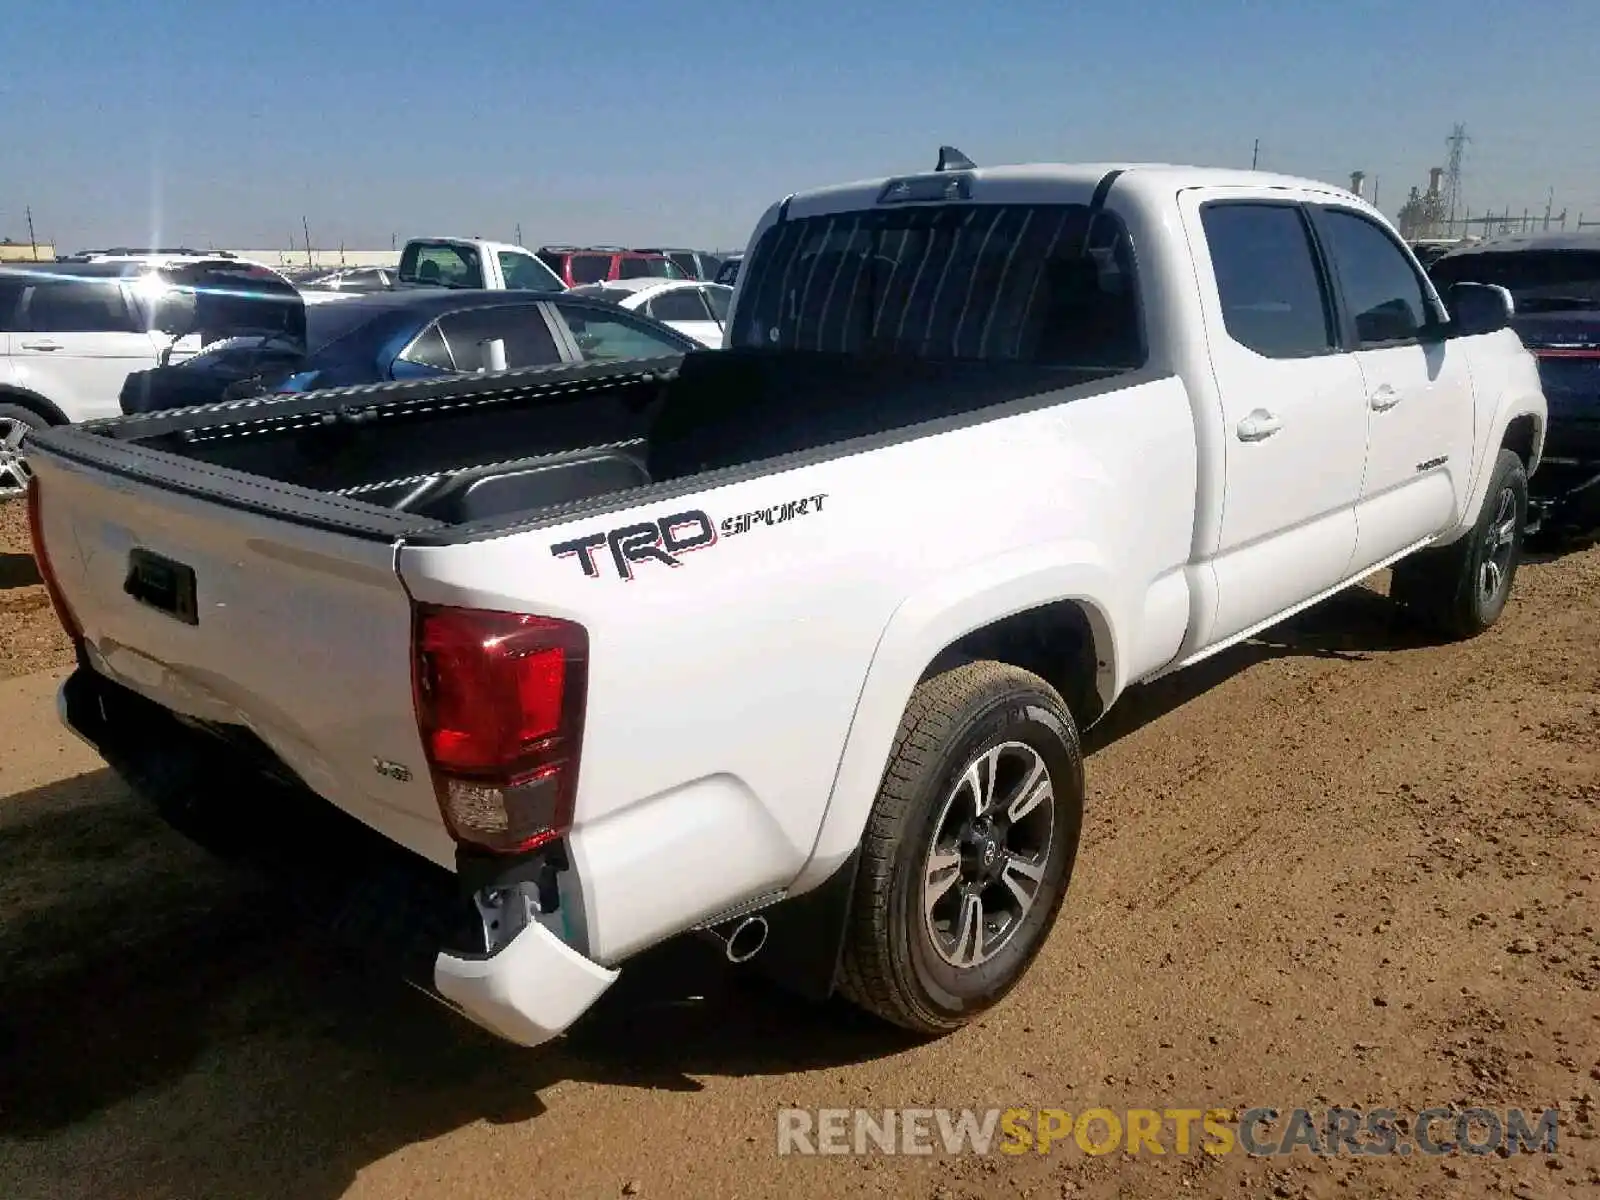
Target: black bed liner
pixel 602 436
pixel 145 447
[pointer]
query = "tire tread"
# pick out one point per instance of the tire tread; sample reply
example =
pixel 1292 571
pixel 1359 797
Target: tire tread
pixel 936 709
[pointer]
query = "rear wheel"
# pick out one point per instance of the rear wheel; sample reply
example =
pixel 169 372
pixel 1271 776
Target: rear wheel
pixel 1461 589
pixel 16 423
pixel 968 850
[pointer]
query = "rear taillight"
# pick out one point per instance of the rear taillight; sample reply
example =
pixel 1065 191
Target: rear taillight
pixel 500 701
pixel 41 560
pixel 1567 352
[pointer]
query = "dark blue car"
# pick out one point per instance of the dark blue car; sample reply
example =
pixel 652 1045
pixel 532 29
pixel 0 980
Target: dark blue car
pixel 1555 281
pixel 406 335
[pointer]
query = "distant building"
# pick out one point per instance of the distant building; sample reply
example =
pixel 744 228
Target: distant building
pixel 323 258
pixel 11 251
pixel 1423 215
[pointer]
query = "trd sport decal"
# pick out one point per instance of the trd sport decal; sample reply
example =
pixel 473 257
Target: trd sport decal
pixel 666 541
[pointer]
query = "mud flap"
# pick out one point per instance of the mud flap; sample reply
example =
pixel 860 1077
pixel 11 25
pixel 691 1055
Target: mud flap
pixel 805 935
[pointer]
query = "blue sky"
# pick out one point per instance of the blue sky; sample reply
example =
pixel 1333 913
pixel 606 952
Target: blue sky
pixel 678 121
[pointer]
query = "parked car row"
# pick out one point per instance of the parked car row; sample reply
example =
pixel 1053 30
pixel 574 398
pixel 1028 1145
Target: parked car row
pixel 113 332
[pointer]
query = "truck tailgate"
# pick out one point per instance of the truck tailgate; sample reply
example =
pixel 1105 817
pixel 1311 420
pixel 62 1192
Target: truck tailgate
pixel 301 635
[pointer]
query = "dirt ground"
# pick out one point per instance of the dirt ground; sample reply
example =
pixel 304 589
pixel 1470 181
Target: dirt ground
pixel 1338 865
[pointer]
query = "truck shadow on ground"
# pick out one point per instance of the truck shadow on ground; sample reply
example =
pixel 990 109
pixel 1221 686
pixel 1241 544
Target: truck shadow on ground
pixel 1352 625
pixel 265 1063
pixel 17 571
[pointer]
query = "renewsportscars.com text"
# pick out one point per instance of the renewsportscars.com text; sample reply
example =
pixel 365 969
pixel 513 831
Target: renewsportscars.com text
pixel 1261 1131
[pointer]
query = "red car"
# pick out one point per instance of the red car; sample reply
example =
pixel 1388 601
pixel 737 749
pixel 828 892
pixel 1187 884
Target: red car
pixel 578 265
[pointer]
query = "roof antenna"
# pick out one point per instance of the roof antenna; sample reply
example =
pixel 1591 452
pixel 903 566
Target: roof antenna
pixel 951 159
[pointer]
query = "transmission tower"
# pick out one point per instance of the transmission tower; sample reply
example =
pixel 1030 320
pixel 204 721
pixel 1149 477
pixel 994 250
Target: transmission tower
pixel 1457 141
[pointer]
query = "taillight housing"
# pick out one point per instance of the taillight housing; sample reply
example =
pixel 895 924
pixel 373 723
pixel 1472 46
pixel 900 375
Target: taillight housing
pixel 41 560
pixel 500 700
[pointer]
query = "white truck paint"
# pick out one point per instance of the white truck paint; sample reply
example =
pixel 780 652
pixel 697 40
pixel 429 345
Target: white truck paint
pixel 742 702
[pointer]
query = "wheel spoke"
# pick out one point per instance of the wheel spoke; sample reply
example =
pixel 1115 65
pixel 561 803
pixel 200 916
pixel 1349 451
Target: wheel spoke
pixel 1507 507
pixel 1034 791
pixel 968 949
pixel 1491 577
pixel 1023 877
pixel 944 868
pixel 1505 533
pixel 980 780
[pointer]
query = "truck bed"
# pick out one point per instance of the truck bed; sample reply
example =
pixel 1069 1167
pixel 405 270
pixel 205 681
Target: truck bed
pixel 444 459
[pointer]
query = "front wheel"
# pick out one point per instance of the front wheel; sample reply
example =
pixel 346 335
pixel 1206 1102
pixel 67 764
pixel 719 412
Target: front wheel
pixel 968 850
pixel 1462 589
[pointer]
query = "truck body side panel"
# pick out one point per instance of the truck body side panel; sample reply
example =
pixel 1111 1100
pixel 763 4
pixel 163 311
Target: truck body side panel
pixel 723 688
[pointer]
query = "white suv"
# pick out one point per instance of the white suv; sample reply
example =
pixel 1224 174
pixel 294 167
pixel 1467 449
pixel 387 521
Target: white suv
pixel 70 334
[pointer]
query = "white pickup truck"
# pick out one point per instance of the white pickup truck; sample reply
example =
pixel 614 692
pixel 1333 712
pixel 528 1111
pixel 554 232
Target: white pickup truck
pixel 474 263
pixel 793 642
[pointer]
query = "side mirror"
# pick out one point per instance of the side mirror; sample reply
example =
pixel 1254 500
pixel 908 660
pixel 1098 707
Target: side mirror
pixel 1477 308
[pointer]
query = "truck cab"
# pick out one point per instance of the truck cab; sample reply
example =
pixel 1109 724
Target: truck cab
pixel 474 263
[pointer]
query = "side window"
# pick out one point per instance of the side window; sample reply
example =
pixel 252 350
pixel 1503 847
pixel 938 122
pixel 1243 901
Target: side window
pixel 79 305
pixel 11 291
pixel 680 304
pixel 590 268
pixel 523 274
pixel 429 350
pixel 1273 299
pixel 719 298
pixel 522 327
pixel 608 337
pixel 1377 280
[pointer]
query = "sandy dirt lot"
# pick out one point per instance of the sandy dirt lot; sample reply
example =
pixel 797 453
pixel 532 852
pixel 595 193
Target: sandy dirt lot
pixel 1340 865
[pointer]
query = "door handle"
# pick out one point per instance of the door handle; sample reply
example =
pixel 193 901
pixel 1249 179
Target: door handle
pixel 1384 398
pixel 41 345
pixel 1258 426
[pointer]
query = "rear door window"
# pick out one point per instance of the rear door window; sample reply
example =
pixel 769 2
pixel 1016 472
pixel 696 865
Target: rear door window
pixel 589 268
pixel 1046 284
pixel 680 304
pixel 77 305
pixel 1268 282
pixel 522 327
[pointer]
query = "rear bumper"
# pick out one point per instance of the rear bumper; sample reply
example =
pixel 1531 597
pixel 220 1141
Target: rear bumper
pixel 528 992
pixel 394 906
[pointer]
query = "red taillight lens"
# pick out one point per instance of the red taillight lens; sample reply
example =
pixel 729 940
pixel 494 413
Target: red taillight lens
pixel 42 561
pixel 500 699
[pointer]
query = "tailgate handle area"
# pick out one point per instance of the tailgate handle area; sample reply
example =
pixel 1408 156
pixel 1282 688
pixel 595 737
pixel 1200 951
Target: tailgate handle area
pixel 163 584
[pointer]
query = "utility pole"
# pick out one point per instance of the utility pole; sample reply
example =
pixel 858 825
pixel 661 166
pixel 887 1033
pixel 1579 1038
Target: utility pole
pixel 519 233
pixel 1550 203
pixel 306 226
pixel 1255 154
pixel 1374 191
pixel 33 242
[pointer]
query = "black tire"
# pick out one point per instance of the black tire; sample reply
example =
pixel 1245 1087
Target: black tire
pixel 1449 589
pixel 892 966
pixel 13 471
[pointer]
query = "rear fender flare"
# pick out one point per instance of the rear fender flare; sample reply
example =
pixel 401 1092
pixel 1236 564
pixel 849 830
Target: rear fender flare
pixel 919 630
